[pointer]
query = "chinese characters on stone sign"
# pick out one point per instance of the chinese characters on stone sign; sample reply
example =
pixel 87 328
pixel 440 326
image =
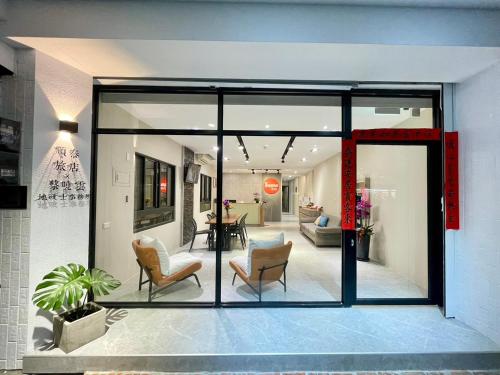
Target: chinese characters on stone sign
pixel 63 183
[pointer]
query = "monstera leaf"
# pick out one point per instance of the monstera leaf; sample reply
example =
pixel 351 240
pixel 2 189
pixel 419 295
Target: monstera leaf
pixel 61 287
pixel 65 286
pixel 100 282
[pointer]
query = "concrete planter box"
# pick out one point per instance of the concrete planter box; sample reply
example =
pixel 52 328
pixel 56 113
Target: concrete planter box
pixel 69 336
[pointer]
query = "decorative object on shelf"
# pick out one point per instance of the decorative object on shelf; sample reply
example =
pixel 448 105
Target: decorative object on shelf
pixel 364 230
pixel 256 197
pixel 227 206
pixel 66 289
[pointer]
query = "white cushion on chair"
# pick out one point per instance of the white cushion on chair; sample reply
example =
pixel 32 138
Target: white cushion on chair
pixel 161 250
pixel 278 240
pixel 180 261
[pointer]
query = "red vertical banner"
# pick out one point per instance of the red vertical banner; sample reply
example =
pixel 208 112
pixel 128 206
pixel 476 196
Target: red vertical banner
pixel 348 184
pixel 451 183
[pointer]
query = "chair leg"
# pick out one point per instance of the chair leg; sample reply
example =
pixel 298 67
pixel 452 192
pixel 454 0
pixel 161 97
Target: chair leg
pixel 242 241
pixel 140 278
pixel 192 242
pixel 284 279
pixel 197 280
pixel 260 290
pixel 234 278
pixel 150 291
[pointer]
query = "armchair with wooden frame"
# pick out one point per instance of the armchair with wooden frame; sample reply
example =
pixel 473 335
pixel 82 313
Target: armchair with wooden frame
pixel 268 265
pixel 149 262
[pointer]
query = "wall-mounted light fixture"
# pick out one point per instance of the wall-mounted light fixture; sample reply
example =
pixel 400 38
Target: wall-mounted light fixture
pixel 68 126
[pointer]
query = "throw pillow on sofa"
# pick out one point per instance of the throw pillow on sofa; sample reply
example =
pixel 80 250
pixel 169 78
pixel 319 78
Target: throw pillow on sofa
pixel 316 222
pixel 323 221
pixel 278 240
pixel 161 250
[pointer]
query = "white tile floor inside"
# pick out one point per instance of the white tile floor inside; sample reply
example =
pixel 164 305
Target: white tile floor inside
pixel 313 274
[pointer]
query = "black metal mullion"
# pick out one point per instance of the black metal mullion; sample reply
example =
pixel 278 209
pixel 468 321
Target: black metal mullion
pixel 218 208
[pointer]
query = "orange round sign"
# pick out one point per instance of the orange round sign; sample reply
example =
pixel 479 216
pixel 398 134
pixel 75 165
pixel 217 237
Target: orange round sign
pixel 271 186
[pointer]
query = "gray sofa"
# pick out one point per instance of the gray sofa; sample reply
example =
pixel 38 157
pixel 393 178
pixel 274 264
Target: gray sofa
pixel 331 235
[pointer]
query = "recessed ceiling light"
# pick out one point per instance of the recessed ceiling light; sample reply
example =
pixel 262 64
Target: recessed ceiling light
pixel 304 160
pixel 314 149
pixel 289 176
pixel 215 148
pixel 211 125
pixel 267 126
pixel 226 158
pixel 196 128
pixel 266 147
pixel 247 161
pixel 241 147
pixel 290 148
pixel 325 127
pixel 295 172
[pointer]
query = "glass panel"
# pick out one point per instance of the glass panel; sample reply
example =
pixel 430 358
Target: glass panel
pixel 392 203
pixel 255 190
pixel 281 112
pixel 149 183
pixel 157 111
pixel 379 112
pixel 124 187
pixel 164 180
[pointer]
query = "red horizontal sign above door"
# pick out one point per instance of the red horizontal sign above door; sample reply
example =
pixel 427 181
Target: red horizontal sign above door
pixel 396 135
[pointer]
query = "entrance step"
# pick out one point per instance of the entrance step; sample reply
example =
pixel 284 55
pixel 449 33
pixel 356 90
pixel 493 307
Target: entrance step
pixel 274 363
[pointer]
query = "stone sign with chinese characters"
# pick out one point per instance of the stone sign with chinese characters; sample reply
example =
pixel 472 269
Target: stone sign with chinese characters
pixel 62 181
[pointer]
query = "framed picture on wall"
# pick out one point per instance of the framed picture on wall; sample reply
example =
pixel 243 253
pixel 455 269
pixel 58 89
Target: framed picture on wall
pixel 10 135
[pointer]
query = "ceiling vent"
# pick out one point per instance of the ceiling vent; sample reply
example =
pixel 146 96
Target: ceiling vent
pixel 415 112
pixel 204 159
pixel 387 111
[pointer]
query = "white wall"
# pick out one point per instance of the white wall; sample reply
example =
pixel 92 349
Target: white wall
pixel 241 186
pixel 477 257
pixel 398 194
pixel 59 235
pixel 113 245
pixel 16 103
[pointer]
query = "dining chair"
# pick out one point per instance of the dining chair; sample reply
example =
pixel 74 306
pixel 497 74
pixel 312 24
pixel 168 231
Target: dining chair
pixel 208 232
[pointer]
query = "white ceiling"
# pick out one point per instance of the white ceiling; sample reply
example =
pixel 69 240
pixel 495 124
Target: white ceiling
pixel 489 4
pixel 249 60
pixel 266 151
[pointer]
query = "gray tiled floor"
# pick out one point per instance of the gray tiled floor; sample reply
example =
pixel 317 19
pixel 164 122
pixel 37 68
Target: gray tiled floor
pixel 410 329
pixel 313 274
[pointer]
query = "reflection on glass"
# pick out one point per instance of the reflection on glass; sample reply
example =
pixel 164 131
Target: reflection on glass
pixel 271 203
pixel 142 222
pixel 157 111
pixel 392 221
pixel 396 112
pixel 282 112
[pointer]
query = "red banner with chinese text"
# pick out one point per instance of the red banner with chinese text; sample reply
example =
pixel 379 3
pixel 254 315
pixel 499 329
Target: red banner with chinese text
pixel 451 183
pixel 397 135
pixel 348 184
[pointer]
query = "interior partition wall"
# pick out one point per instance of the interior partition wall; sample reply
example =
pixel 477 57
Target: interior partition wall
pixel 215 132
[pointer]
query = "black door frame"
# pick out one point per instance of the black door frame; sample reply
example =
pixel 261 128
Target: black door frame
pixel 348 276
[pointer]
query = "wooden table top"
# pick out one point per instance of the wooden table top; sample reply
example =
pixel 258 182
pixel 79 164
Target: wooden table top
pixel 226 220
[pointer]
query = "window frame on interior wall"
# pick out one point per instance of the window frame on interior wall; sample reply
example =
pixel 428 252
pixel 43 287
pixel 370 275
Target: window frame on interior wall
pixel 205 180
pixel 168 209
pixel 348 276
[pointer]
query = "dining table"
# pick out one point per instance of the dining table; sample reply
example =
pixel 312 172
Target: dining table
pixel 227 222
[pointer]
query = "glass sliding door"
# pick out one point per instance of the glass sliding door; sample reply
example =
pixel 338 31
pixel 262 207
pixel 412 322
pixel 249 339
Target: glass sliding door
pixel 392 222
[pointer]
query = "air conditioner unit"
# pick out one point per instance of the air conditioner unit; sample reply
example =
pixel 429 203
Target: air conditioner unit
pixel 203 159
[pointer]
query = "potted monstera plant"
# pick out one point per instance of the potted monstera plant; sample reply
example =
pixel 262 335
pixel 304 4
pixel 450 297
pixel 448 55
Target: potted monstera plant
pixel 65 290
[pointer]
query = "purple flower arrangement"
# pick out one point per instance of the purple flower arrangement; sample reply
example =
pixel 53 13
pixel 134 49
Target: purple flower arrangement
pixel 363 207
